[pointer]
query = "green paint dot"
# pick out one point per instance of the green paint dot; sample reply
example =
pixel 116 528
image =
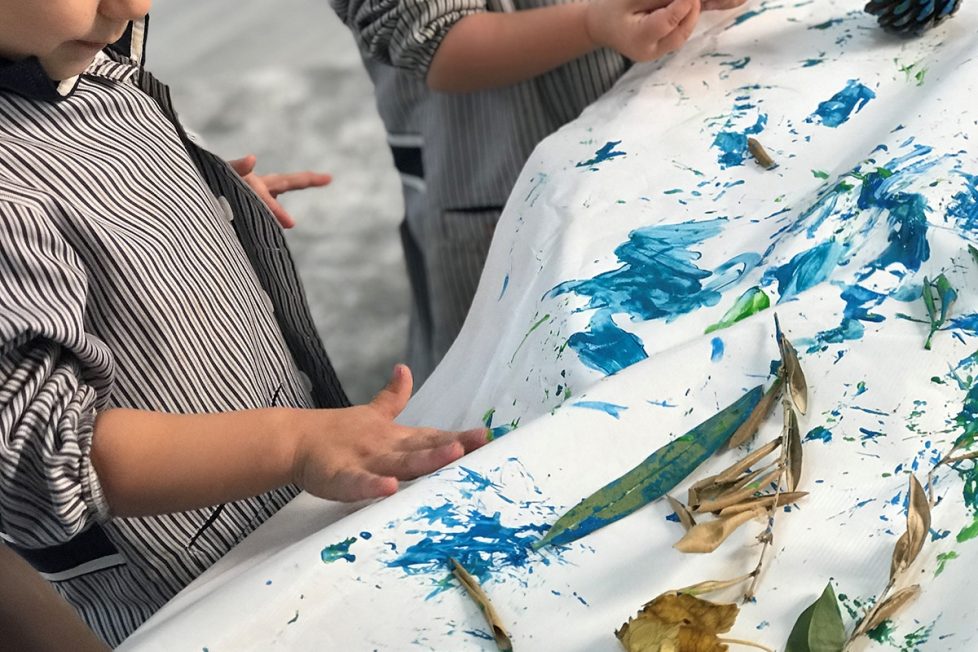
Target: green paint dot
pixel 942 559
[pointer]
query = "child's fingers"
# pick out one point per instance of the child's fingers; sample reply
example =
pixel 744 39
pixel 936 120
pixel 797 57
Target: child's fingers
pixel 351 486
pixel 245 165
pixel 662 23
pixel 392 399
pixel 279 183
pixel 719 5
pixel 414 464
pixel 284 219
pixel 681 34
pixel 429 438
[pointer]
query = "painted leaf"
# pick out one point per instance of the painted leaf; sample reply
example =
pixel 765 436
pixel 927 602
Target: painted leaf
pixel 678 622
pixel 475 591
pixel 947 294
pixel 685 517
pixel 707 537
pixel 888 609
pixel 749 428
pixel 764 501
pixel 819 628
pixel 929 302
pixel 656 475
pixel 797 385
pixel 794 453
pixel 918 526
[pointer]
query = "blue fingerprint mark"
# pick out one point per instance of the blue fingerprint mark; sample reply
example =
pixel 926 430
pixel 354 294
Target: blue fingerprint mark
pixel 839 108
pixel 606 153
pixel 716 349
pixel 658 279
pixel 601 406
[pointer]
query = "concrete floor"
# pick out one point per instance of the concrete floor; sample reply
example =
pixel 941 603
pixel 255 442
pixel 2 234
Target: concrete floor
pixel 282 79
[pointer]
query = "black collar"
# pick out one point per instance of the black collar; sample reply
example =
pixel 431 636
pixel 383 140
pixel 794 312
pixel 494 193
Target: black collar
pixel 26 76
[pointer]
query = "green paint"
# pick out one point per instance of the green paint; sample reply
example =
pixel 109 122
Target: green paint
pixel 656 475
pixel 820 174
pixel 915 639
pixel 913 72
pixel 750 302
pixel 882 633
pixel 855 609
pixel 942 559
pixel 535 326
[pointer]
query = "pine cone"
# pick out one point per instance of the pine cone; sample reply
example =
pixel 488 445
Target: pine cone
pixel 911 17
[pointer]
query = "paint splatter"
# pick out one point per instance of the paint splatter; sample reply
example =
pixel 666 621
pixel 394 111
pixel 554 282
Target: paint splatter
pixel 338 551
pixel 819 433
pixel 804 270
pixel 733 144
pixel 942 560
pixel 601 406
pixel 495 432
pixel 839 108
pixel 606 153
pixel 716 349
pixel 827 24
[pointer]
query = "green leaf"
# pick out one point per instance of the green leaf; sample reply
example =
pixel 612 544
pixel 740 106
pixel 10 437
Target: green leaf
pixel 750 302
pixel 929 300
pixel 819 628
pixel 947 294
pixel 656 475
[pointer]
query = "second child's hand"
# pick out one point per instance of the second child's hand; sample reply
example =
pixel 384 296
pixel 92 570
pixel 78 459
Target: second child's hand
pixel 269 186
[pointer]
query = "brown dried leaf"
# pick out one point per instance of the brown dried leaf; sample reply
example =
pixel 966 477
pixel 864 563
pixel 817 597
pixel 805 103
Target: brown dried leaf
pixel 737 495
pixel 797 385
pixel 711 586
pixel 475 591
pixel 918 526
pixel 678 622
pixel 794 454
pixel 707 537
pixel 893 604
pixel 761 411
pixel 685 518
pixel 760 154
pixel 713 485
pixel 767 502
pixel 733 472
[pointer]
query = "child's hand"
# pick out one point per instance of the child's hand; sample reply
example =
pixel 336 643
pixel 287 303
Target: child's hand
pixel 359 452
pixel 642 30
pixel 270 186
pixel 719 5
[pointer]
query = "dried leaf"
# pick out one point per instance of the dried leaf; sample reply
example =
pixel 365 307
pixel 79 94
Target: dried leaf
pixel 656 475
pixel 767 502
pixel 797 385
pixel 707 537
pixel 749 428
pixel 819 628
pixel 711 586
pixel 475 591
pixel 760 154
pixel 685 518
pixel 893 604
pixel 918 526
pixel 678 622
pixel 794 453
pixel 731 475
pixel 736 496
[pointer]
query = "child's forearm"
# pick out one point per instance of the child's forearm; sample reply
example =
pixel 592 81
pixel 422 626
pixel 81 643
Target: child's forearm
pixel 487 50
pixel 154 463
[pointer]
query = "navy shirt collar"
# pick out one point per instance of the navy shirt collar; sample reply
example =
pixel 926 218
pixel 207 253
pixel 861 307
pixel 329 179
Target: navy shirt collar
pixel 27 77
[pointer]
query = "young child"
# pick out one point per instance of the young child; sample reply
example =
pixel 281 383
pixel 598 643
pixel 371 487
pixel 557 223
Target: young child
pixel 526 67
pixel 156 353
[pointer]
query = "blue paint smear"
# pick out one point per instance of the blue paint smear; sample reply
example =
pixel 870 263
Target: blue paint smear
pixel 479 633
pixel 819 433
pixel 837 110
pixel 716 349
pixel 963 207
pixel 662 404
pixel 606 153
pixel 827 24
pixel 505 286
pixel 808 63
pixel 804 270
pixel 747 15
pixel 733 144
pixel 338 551
pixel 870 435
pixel 859 302
pixel 658 279
pixel 475 480
pixel 601 406
pixel 365 535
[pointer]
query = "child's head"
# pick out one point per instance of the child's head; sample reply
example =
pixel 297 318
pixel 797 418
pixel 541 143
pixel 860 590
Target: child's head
pixel 65 35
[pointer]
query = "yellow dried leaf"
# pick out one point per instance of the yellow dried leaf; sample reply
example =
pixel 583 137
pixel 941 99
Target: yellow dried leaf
pixel 918 526
pixel 731 477
pixel 893 604
pixel 760 412
pixel 737 495
pixel 766 502
pixel 797 385
pixel 685 518
pixel 678 622
pixel 475 591
pixel 707 537
pixel 709 586
pixel 794 454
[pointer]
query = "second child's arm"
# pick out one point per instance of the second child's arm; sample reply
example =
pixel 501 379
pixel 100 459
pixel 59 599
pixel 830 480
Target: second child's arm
pixel 490 49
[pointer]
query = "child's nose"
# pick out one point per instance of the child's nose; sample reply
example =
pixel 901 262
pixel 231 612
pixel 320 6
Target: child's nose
pixel 124 10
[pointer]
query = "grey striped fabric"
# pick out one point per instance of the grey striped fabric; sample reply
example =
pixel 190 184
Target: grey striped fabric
pixel 136 270
pixel 473 146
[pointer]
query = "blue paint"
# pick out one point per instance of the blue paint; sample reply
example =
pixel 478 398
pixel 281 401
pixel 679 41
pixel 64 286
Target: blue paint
pixel 495 432
pixel 476 481
pixel 747 15
pixel 479 633
pixel 674 517
pixel 733 144
pixel 601 406
pixel 839 108
pixel 606 153
pixel 338 551
pixel 716 349
pixel 827 24
pixel 808 63
pixel 859 302
pixel 819 433
pixel 870 435
pixel 505 286
pixel 662 404
pixel 963 206
pixel 658 279
pixel 736 64
pixel 804 270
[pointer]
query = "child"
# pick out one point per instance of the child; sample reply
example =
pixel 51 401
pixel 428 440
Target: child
pixel 156 352
pixel 526 70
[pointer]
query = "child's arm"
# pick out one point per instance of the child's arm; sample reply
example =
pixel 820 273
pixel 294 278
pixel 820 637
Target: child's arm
pixel 153 463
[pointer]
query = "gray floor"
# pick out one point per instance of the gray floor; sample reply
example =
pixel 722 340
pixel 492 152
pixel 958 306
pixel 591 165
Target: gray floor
pixel 282 79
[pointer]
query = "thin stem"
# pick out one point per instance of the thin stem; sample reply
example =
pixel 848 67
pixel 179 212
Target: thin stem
pixel 738 641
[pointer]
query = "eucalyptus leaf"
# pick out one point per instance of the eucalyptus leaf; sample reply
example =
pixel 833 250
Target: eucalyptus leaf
pixel 749 428
pixel 909 544
pixel 794 452
pixel 654 477
pixel 819 628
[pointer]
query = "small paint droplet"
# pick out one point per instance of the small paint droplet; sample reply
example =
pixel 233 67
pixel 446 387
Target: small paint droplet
pixel 716 352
